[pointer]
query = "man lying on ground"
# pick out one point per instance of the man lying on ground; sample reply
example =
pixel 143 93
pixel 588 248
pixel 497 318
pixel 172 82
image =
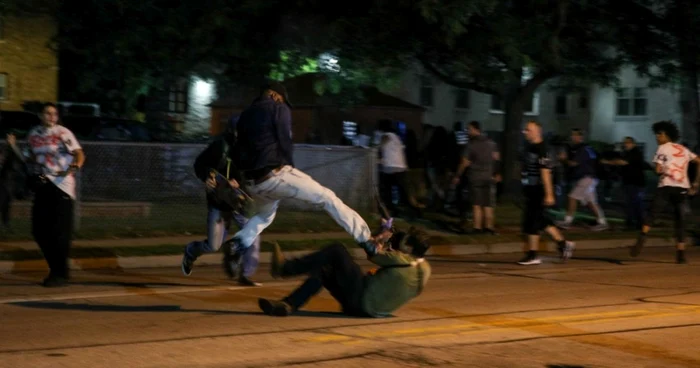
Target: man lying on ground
pixel 402 274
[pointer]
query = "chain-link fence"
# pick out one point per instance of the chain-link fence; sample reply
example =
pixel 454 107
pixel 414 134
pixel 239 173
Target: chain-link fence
pixel 151 189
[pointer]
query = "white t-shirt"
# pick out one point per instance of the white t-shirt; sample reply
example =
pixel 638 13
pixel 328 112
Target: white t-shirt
pixel 674 159
pixel 393 155
pixel 53 149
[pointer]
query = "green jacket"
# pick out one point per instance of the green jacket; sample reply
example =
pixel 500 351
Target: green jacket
pixel 400 278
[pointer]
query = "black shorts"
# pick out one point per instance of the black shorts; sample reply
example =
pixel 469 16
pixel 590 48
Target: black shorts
pixel 483 193
pixel 535 215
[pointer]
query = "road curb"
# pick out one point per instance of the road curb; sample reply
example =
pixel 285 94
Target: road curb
pixel 215 259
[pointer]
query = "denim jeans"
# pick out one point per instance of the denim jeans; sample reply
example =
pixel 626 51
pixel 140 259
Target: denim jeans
pixel 218 223
pixel 290 183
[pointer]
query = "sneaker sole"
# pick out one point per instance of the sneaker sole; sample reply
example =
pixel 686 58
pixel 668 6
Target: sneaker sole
pixel 531 263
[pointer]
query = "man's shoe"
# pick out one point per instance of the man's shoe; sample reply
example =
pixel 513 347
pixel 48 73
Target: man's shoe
pixel 245 281
pixel 232 257
pixel 54 281
pixel 187 263
pixel 277 262
pixel 680 257
pixel 274 308
pixel 637 247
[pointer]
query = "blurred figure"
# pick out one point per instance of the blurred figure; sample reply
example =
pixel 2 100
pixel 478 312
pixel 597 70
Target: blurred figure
pixel 480 161
pixel 632 166
pixel 581 159
pixel 538 191
pixel 9 172
pixel 671 161
pixel 393 168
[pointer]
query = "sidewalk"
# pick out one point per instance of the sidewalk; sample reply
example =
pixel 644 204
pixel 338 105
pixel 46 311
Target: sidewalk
pixel 171 260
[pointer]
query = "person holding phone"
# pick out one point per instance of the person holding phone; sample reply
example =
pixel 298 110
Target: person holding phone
pixel 225 205
pixel 56 155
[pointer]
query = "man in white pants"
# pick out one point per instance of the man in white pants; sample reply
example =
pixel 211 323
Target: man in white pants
pixel 265 152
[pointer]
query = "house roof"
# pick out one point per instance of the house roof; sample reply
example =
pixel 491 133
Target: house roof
pixel 302 93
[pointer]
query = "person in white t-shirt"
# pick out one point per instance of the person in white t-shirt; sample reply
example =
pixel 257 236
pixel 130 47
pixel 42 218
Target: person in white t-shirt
pixel 56 155
pixel 672 162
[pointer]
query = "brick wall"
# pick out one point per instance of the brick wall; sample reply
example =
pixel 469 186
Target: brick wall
pixel 30 65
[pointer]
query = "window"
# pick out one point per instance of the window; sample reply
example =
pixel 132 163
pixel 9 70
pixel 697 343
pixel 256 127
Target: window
pixel 533 108
pixel 462 98
pixel 560 105
pixel 426 91
pixel 177 97
pixel 3 86
pixel 631 102
pixel 640 101
pixel 582 101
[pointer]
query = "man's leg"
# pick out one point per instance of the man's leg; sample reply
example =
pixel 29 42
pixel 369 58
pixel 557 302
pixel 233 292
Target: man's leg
pixel 250 257
pixel 657 205
pixel 591 197
pixel 332 267
pixel 631 207
pixel 678 201
pixel 484 198
pixel 531 227
pixel 218 224
pixel 292 183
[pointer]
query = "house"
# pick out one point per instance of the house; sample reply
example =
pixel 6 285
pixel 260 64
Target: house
pixel 28 65
pixel 183 105
pixel 321 118
pixel 607 114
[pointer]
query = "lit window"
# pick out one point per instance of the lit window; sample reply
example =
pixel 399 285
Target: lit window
pixel 177 97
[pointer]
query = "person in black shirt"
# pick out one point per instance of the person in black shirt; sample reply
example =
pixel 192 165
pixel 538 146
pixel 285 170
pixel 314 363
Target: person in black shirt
pixel 539 194
pixel 632 167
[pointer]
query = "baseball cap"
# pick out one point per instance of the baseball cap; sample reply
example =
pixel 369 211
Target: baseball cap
pixel 279 88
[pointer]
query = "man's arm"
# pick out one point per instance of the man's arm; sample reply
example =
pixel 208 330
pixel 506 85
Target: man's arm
pixel 696 182
pixel 284 131
pixel 391 258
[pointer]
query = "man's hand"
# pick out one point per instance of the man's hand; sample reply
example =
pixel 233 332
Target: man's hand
pixel 233 183
pixel 455 181
pixel 562 156
pixel 497 178
pixel 694 189
pixel 11 140
pixel 211 183
pixel 549 200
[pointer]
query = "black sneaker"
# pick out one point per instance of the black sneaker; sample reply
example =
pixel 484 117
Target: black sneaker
pixel 490 232
pixel 54 281
pixel 680 257
pixel 187 263
pixel 274 308
pixel 232 257
pixel 245 281
pixel 530 259
pixel 637 247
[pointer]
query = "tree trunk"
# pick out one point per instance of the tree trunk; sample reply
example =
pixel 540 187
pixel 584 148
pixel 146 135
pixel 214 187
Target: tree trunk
pixel 514 102
pixel 690 106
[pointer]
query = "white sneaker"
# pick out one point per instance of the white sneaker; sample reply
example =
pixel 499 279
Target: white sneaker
pixel 568 251
pixel 563 225
pixel 599 227
pixel 530 260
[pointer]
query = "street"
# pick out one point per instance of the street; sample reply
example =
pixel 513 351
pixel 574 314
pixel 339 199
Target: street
pixel 601 309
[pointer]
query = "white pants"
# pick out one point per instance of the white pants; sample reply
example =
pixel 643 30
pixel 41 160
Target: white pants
pixel 290 183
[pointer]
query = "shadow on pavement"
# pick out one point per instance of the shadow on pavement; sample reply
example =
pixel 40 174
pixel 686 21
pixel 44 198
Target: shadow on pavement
pixel 564 366
pixel 163 308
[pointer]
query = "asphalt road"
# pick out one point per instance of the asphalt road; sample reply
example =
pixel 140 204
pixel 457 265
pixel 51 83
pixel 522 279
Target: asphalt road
pixel 599 310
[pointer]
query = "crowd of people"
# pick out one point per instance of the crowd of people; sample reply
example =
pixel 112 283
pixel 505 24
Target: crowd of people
pixel 253 161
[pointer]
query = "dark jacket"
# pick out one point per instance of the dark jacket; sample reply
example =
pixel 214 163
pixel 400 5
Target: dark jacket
pixel 264 138
pixel 586 158
pixel 218 156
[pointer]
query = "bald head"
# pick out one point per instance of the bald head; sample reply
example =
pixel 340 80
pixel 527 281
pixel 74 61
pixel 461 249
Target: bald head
pixel 533 132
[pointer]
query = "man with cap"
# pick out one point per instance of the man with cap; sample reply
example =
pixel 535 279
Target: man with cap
pixel 224 204
pixel 401 276
pixel 264 154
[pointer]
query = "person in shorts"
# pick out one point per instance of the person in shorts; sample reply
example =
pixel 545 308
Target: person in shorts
pixel 482 160
pixel 581 161
pixel 538 191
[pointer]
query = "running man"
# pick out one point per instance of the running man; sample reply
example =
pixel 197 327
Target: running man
pixel 539 194
pixel 672 161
